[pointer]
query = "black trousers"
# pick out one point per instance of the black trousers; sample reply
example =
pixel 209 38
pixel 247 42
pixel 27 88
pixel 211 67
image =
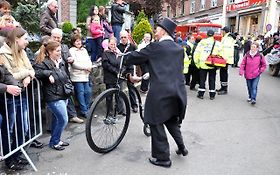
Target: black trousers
pixel 71 110
pixel 211 79
pixel 224 77
pixel 236 57
pixel 109 101
pixel 160 145
pixel 144 83
pixel 192 77
pixel 132 96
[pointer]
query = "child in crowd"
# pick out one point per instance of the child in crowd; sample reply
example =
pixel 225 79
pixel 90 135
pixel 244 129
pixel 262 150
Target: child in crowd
pixel 253 64
pixel 97 33
pixel 104 23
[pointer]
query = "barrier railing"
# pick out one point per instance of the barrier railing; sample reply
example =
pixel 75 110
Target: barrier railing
pixel 21 121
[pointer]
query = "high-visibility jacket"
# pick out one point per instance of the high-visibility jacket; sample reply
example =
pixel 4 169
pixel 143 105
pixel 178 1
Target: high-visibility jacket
pixel 227 48
pixel 203 50
pixel 187 62
pixel 191 45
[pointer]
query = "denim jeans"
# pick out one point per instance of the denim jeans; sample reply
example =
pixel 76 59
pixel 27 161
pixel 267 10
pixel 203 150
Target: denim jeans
pixel 91 48
pixel 83 94
pixel 252 85
pixel 17 117
pixel 117 29
pixel 59 120
pixel 1 119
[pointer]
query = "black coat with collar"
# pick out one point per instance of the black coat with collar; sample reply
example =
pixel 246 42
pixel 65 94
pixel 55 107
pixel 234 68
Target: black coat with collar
pixel 167 96
pixel 52 91
pixel 111 66
pixel 6 78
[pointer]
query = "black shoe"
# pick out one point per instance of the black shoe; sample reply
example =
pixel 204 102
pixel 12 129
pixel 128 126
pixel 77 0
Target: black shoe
pixel 199 96
pixel 163 163
pixel 36 144
pixel 58 147
pixel 223 92
pixel 22 161
pixel 62 143
pixel 253 102
pixel 219 90
pixel 183 152
pixel 212 98
pixel 15 166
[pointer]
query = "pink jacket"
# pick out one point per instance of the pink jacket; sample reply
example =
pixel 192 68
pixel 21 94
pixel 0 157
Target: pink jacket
pixel 96 30
pixel 252 67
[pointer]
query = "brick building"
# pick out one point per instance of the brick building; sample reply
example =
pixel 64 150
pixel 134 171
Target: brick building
pixel 195 10
pixel 252 17
pixel 67 11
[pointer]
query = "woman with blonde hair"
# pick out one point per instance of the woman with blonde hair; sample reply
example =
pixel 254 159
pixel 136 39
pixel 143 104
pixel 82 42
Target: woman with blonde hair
pixel 16 61
pixel 50 70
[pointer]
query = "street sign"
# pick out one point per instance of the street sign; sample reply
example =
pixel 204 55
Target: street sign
pixel 268 27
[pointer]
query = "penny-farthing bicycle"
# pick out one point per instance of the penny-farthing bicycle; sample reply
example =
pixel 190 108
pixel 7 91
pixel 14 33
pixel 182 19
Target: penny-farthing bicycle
pixel 109 118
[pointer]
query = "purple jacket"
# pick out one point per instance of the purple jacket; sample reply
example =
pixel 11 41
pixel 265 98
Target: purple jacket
pixel 252 67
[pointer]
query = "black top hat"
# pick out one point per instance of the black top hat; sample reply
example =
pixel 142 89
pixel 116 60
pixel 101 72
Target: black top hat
pixel 226 29
pixel 168 25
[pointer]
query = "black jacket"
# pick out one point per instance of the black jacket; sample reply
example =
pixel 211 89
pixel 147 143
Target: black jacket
pixel 55 91
pixel 117 11
pixel 6 78
pixel 124 48
pixel 167 96
pixel 111 65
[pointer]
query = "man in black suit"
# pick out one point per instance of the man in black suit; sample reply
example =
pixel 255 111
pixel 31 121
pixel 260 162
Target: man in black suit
pixel 166 100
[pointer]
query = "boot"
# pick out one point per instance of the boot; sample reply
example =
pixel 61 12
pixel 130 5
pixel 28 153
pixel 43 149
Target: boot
pixel 223 90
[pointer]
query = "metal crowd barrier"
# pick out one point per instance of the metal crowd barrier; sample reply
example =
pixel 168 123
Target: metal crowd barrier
pixel 34 121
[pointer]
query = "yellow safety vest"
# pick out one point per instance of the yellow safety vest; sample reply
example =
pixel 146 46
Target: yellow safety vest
pixel 203 50
pixel 187 62
pixel 227 51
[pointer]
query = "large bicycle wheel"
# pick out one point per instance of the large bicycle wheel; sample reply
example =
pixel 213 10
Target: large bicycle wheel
pixel 108 120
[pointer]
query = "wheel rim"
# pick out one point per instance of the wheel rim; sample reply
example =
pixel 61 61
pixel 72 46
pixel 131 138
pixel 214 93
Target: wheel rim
pixel 107 128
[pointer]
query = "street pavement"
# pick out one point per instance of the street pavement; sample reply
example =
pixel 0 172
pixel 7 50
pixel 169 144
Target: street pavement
pixel 225 136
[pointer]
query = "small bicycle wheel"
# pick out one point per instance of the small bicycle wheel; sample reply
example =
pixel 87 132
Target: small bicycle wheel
pixel 147 130
pixel 139 102
pixel 108 120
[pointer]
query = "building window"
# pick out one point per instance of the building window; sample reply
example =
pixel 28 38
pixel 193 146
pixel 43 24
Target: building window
pixel 202 4
pixel 192 9
pixel 231 1
pixel 175 12
pixel 214 3
pixel 182 7
pixel 168 11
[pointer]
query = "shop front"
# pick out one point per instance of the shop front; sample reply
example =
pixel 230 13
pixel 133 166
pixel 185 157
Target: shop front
pixel 246 17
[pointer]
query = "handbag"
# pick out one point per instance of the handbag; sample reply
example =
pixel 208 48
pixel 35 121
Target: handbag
pixel 215 60
pixel 68 88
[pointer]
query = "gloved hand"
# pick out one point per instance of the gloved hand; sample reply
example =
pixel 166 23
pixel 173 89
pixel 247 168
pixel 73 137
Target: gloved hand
pixel 146 76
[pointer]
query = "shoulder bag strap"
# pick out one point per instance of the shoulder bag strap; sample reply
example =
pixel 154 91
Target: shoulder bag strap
pixel 212 47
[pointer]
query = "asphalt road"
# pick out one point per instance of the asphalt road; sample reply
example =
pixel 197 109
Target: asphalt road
pixel 226 136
